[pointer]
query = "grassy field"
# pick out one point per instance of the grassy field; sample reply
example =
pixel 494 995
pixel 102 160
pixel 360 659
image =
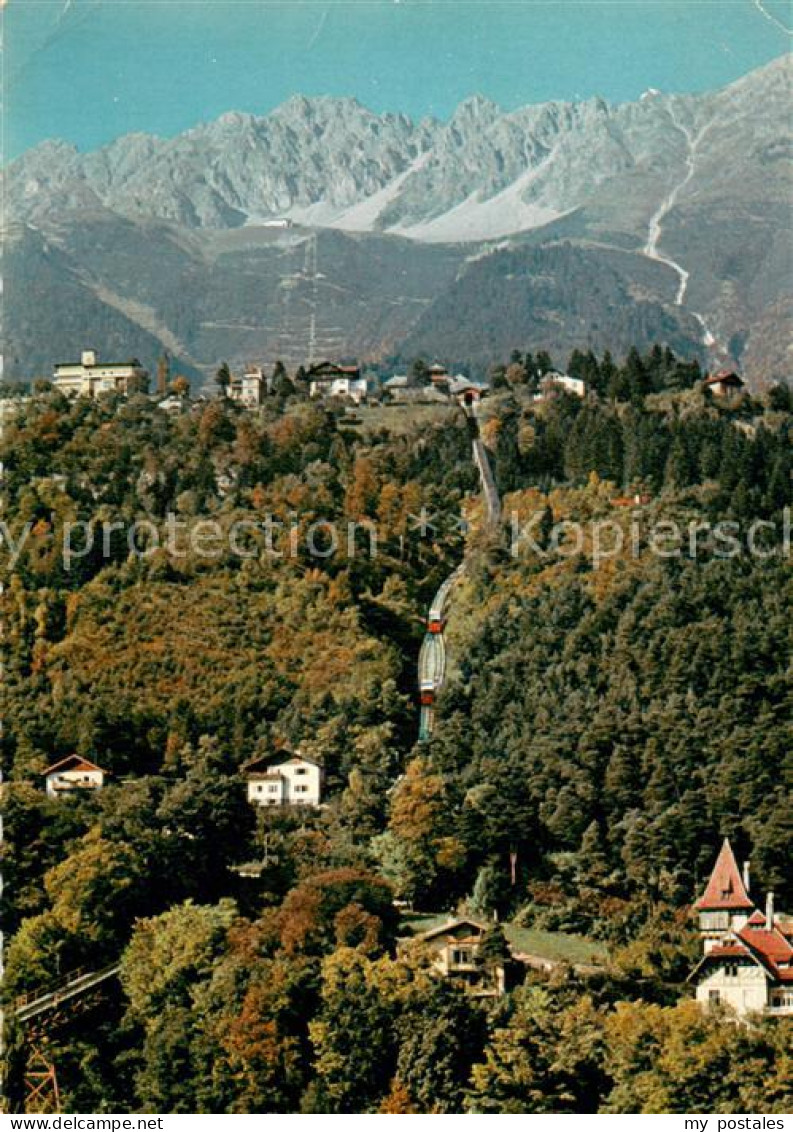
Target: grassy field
pixel 555 945
pixel 532 941
pixel 400 419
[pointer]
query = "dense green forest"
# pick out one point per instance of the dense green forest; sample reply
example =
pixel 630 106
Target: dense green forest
pixel 604 725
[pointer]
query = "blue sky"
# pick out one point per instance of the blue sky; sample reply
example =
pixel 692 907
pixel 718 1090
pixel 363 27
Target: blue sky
pixel 90 70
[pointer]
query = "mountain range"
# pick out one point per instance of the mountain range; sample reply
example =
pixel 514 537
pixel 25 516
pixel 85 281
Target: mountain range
pixel 552 226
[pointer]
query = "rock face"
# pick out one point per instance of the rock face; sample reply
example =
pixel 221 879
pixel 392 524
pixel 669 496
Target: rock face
pixel 481 175
pixel 699 183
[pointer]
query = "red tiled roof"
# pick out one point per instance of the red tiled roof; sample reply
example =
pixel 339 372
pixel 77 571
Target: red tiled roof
pixel 733 950
pixel 72 762
pixel 725 889
pixel 772 948
pixel 727 951
pixel 770 952
pixel 756 918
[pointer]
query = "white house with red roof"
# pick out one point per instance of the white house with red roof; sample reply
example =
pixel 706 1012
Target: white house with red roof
pixel 748 955
pixel 74 773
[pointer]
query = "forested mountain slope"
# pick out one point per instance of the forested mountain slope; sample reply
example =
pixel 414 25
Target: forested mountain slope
pixel 609 717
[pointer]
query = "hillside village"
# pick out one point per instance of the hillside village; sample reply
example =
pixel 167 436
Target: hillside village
pixel 327 381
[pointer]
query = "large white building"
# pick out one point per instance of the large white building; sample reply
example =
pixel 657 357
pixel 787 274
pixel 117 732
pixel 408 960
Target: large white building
pixel 284 778
pixel 89 377
pixel 748 955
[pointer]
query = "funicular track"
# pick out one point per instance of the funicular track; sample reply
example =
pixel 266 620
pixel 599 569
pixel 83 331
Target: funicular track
pixel 432 656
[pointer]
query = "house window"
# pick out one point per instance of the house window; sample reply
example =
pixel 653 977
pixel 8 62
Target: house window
pixel 273 788
pixel 260 788
pixel 714 921
pixel 461 955
pixel 731 970
pixel 301 790
pixel 301 770
pixel 714 996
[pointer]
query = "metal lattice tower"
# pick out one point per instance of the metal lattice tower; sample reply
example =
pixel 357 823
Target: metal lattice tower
pixel 301 333
pixel 41 1084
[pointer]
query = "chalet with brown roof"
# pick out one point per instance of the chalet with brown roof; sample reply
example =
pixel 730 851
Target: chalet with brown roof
pixel 328 379
pixel 726 383
pixel 74 773
pixel 748 955
pixel 455 949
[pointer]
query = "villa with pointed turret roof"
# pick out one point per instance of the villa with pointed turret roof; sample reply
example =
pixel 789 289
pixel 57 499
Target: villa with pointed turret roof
pixel 748 955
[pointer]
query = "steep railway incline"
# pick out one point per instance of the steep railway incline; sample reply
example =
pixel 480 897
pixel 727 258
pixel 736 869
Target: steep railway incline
pixel 432 657
pixel 26 1009
pixel 489 489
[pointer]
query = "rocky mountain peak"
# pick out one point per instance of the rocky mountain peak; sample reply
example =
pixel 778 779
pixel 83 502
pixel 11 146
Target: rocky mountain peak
pixel 331 161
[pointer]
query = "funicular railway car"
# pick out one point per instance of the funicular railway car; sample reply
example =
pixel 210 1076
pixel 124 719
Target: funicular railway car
pixel 436 619
pixel 432 665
